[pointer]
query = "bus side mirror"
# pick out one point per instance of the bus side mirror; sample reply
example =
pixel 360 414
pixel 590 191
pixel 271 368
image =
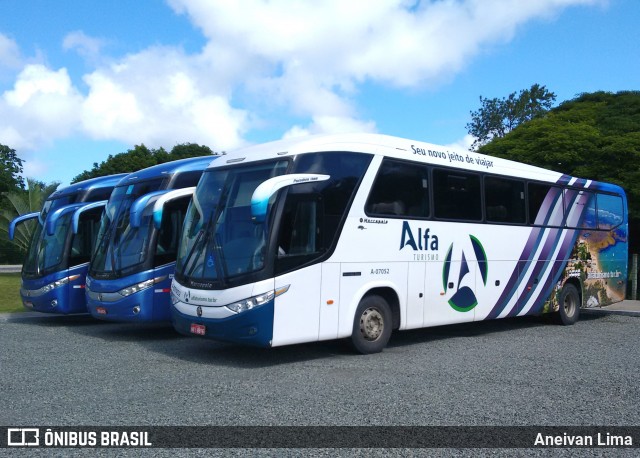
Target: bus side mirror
pixel 84 208
pixel 18 220
pixel 53 217
pixel 158 207
pixel 137 208
pixel 260 197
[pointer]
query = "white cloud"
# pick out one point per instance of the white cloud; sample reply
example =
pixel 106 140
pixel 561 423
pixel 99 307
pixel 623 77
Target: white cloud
pixel 310 57
pixel 9 53
pixel 398 42
pixel 34 167
pixel 88 47
pixel 42 105
pixel 331 125
pixel 161 97
pixel 306 59
pixel 462 144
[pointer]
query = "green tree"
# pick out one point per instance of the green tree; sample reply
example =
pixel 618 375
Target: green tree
pixel 10 181
pixel 20 202
pixel 141 157
pixel 497 117
pixel 185 150
pixel 10 170
pixel 595 135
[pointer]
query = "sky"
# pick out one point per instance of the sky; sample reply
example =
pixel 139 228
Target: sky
pixel 82 79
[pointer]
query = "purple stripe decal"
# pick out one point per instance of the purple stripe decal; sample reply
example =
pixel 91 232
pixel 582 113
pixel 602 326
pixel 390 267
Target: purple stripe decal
pixel 516 276
pixel 541 266
pixel 567 244
pixel 565 250
pixel 545 215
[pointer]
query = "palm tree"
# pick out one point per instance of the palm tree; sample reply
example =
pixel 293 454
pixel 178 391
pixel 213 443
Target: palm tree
pixel 21 202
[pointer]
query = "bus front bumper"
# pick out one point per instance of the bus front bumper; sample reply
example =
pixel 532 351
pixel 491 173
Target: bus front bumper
pixel 252 327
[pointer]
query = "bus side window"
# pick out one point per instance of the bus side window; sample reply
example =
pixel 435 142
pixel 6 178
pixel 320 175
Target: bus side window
pixel 301 231
pixel 83 242
pixel 545 205
pixel 456 195
pixel 400 189
pixel 170 229
pixel 504 200
pixel 583 203
pixel 314 212
pixel 610 211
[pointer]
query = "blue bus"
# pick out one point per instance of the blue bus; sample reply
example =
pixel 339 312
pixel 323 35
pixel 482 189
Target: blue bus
pixel 54 271
pixel 131 269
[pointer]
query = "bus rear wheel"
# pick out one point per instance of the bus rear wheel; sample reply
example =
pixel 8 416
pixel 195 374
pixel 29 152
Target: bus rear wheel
pixel 569 305
pixel 371 325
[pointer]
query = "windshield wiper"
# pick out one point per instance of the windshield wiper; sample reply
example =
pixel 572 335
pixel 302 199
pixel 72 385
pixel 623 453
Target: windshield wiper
pixel 204 229
pixel 222 265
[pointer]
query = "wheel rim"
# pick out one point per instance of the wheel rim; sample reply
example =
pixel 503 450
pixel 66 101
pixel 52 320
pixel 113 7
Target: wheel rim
pixel 569 305
pixel 371 324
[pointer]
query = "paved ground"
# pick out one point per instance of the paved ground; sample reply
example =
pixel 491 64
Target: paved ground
pixel 74 370
pixel 620 308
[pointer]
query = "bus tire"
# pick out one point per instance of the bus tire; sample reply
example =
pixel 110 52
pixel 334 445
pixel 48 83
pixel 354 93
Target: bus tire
pixel 371 325
pixel 569 305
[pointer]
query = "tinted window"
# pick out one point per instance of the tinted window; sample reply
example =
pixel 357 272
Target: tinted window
pixel 400 189
pixel 99 194
pixel 504 200
pixel 545 205
pixel 186 179
pixel 580 208
pixel 610 211
pixel 314 212
pixel 84 241
pixel 456 195
pixel 168 237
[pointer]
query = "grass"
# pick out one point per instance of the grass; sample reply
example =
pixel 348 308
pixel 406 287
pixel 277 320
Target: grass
pixel 10 298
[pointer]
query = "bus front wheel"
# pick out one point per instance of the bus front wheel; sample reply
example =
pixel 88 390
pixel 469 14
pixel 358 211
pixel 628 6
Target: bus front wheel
pixel 371 325
pixel 569 305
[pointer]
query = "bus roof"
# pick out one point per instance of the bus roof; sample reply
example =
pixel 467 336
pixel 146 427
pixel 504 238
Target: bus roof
pixel 395 147
pixel 168 168
pixel 88 185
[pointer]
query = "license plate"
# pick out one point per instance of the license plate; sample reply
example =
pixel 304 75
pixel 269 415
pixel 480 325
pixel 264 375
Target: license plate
pixel 198 329
pixel 101 310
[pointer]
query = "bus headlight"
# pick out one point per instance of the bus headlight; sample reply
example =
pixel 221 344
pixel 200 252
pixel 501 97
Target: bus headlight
pixel 128 291
pixel 50 287
pixel 250 303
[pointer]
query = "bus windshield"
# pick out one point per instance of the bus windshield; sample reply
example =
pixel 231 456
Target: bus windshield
pixel 46 252
pixel 221 243
pixel 220 240
pixel 122 249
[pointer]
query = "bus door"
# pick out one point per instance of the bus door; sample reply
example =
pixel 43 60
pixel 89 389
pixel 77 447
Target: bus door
pixel 416 282
pixel 451 289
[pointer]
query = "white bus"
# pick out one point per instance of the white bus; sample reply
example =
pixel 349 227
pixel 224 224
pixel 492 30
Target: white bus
pixel 353 236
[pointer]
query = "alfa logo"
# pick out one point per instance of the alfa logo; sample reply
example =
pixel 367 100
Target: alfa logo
pixel 463 299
